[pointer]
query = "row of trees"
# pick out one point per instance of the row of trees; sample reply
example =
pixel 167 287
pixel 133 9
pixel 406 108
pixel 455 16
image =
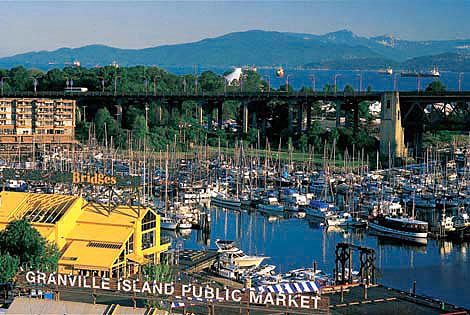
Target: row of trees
pixel 138 79
pixel 185 126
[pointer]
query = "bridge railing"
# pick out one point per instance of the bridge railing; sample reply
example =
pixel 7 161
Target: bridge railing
pixel 181 94
pixel 236 94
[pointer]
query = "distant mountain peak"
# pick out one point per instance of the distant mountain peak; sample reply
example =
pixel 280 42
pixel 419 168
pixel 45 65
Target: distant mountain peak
pixel 342 48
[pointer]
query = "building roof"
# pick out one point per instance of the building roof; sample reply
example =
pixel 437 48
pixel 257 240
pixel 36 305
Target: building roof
pixel 101 232
pixel 121 215
pixel 36 208
pixel 90 255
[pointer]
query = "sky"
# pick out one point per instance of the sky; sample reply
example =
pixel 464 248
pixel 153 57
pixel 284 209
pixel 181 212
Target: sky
pixel 39 25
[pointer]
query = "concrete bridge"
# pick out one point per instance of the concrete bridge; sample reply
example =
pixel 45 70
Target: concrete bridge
pixel 404 115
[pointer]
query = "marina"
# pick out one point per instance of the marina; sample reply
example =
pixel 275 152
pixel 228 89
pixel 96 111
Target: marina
pixel 257 172
pixel 271 222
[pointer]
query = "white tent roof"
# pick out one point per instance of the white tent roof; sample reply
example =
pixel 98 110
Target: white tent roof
pixel 235 75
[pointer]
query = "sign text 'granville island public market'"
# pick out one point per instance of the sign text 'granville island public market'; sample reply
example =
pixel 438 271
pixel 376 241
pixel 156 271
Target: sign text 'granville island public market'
pixel 172 289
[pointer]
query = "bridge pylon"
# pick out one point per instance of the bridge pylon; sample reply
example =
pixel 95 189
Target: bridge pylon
pixel 392 132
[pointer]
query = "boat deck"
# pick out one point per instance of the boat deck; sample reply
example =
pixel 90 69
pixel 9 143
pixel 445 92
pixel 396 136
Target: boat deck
pixel 383 300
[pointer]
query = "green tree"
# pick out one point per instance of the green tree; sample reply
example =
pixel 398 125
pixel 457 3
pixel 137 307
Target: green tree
pixel 159 273
pixel 364 110
pixel 303 142
pixel 211 82
pixel 348 89
pixel 328 88
pixel 436 86
pixel 104 122
pixel 21 240
pixel 9 266
pixel 139 127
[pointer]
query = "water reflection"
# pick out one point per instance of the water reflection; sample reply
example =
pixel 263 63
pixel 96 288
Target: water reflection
pixel 440 268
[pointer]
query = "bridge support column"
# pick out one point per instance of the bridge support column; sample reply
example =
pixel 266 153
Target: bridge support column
pixel 200 114
pixel 245 118
pixel 392 136
pixel 289 117
pixel 356 118
pixel 220 120
pixel 160 113
pixel 253 120
pixel 209 116
pixel 309 116
pixel 338 114
pixel 300 116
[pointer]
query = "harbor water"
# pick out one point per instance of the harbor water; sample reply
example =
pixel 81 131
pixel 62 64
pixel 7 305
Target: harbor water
pixel 299 78
pixel 440 268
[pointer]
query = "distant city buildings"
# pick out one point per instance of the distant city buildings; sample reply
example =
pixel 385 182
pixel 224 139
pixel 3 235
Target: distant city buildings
pixel 37 120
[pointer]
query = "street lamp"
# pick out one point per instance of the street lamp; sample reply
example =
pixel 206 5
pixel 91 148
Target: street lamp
pixel 102 83
pixel 195 79
pixel 69 83
pixel 115 84
pixel 146 85
pixel 146 115
pixel 35 84
pixel 418 83
pixel 335 81
pixel 2 82
pixel 184 85
pixel 460 81
pixel 360 81
pixel 395 81
pixel 155 86
pixel 313 79
pixel 287 82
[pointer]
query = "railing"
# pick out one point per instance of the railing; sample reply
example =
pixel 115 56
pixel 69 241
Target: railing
pixel 187 94
pixel 236 94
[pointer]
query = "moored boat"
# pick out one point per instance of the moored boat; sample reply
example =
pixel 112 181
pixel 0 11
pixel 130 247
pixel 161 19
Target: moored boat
pixel 401 228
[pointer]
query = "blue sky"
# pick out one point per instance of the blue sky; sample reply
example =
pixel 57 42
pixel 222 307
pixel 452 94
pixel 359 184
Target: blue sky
pixel 38 25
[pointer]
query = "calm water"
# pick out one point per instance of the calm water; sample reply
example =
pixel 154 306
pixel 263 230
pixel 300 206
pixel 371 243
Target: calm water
pixel 441 269
pixel 378 82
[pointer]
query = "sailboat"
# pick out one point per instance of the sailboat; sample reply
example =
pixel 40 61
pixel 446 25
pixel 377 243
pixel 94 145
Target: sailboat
pixel 166 221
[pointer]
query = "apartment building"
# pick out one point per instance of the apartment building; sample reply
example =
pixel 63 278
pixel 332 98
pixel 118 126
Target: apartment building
pixel 36 120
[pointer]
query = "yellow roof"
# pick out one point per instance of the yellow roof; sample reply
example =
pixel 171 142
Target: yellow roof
pixel 121 215
pixel 87 255
pixel 136 258
pixel 99 231
pixel 44 229
pixel 44 208
pixel 8 202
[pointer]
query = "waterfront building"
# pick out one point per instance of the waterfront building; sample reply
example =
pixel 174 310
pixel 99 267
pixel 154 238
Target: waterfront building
pixel 37 120
pixel 91 239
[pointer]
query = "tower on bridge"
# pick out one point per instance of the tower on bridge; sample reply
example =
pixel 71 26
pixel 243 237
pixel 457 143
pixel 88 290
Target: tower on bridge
pixel 392 135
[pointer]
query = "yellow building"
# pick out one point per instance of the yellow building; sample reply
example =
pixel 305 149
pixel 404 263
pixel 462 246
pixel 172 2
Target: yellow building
pixel 91 240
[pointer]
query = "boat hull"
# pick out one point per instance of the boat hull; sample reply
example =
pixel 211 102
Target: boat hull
pixel 226 203
pixel 270 208
pixel 418 237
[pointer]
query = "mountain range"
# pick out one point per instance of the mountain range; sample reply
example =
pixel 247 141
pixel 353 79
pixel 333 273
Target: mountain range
pixel 337 50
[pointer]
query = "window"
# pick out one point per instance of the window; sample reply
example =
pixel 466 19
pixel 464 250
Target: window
pixel 148 222
pixel 130 244
pixel 388 104
pixel 148 239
